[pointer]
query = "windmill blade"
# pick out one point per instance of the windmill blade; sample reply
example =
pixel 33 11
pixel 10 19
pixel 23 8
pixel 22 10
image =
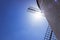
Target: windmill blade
pixel 33 9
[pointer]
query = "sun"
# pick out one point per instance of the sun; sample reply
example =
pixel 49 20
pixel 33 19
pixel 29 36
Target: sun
pixel 36 16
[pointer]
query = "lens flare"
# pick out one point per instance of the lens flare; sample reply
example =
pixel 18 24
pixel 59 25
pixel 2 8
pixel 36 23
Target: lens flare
pixel 36 17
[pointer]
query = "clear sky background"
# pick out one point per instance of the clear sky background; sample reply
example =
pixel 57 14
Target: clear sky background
pixel 15 23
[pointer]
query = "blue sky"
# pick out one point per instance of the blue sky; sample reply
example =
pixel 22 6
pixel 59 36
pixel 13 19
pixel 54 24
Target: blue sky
pixel 15 23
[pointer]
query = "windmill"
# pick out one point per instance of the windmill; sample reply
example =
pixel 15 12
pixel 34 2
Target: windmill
pixel 49 35
pixel 50 9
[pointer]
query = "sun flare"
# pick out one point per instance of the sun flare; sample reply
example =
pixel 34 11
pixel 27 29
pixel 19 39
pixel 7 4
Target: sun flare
pixel 36 16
